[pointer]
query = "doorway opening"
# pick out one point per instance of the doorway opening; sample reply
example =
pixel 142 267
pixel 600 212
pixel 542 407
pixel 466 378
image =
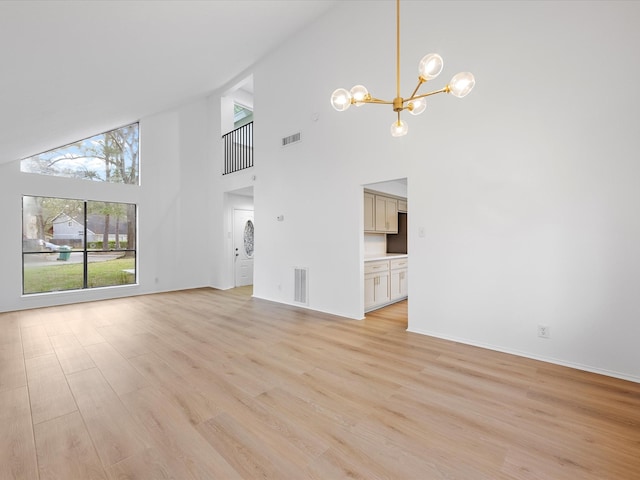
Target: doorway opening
pixel 385 250
pixel 240 233
pixel 243 247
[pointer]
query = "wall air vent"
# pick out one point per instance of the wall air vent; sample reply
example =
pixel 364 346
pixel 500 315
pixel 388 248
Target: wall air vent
pixel 301 285
pixel 291 139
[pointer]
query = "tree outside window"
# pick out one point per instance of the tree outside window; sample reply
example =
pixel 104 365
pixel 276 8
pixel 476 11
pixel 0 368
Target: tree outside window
pixel 108 157
pixel 71 244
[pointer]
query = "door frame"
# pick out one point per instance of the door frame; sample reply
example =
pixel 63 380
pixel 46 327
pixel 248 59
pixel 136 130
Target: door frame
pixel 235 213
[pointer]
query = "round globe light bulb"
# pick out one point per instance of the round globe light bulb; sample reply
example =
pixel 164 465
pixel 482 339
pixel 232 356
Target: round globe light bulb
pixel 399 128
pixel 430 66
pixel 418 106
pixel 341 99
pixel 359 93
pixel 461 84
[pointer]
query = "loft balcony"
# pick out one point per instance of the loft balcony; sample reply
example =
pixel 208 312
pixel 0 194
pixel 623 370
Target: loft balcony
pixel 238 149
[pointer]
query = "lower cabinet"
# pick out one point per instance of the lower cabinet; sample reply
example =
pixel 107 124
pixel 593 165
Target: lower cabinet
pixel 376 283
pixel 399 286
pixel 385 281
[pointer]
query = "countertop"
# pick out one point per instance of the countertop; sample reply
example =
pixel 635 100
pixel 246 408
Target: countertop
pixel 384 256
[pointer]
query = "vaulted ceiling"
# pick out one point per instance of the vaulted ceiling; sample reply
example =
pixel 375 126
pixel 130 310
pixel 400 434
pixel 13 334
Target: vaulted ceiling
pixel 70 69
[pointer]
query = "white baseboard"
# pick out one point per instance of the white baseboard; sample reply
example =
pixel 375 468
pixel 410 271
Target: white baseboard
pixel 555 361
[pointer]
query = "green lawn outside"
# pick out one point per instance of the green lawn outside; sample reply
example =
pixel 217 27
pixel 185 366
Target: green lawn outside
pixel 51 278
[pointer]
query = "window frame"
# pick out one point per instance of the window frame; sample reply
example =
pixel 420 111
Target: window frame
pixel 29 164
pixel 86 249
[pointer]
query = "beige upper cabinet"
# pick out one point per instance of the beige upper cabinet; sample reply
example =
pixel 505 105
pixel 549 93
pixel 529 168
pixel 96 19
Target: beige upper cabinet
pixel 369 212
pixel 380 213
pixel 386 214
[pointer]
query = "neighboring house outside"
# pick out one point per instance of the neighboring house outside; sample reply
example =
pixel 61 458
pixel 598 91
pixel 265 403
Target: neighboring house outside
pixel 66 228
pixel 117 228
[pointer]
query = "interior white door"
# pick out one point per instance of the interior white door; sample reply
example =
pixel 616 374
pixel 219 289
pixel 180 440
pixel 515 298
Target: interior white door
pixel 243 231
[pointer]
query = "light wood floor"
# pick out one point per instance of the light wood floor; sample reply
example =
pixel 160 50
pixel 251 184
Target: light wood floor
pixel 216 385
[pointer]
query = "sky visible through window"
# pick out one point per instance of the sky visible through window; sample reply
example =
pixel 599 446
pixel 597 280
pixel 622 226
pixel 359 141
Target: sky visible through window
pixel 108 157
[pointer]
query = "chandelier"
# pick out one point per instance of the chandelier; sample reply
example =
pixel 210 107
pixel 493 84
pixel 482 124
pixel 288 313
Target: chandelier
pixel 429 68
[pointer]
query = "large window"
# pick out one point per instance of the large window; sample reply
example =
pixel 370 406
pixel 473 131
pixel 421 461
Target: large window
pixel 109 157
pixel 73 244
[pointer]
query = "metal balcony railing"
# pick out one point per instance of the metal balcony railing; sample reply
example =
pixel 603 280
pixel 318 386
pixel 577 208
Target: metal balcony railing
pixel 238 149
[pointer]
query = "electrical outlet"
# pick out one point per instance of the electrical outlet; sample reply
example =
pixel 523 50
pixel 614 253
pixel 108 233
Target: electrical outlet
pixel 543 331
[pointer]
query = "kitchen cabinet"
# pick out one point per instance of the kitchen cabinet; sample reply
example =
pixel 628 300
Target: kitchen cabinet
pixel 376 284
pixel 385 282
pixel 402 206
pixel 380 213
pixel 398 279
pixel 369 212
pixel 386 214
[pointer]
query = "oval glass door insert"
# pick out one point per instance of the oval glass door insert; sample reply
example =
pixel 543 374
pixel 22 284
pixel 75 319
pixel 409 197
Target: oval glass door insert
pixel 248 238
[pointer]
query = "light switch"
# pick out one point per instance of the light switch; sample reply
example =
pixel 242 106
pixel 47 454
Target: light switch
pixel 421 232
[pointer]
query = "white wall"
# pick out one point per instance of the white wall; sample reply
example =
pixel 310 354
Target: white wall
pixel 526 188
pixel 173 231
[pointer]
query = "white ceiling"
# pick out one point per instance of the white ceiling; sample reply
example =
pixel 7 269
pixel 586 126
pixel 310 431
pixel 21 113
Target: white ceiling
pixel 71 69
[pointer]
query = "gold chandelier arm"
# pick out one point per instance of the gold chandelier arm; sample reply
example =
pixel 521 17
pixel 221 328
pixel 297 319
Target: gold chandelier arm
pixel 420 82
pixel 378 101
pixel 415 97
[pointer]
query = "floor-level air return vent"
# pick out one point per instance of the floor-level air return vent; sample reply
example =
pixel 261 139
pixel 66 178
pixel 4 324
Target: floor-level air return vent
pixel 301 285
pixel 291 139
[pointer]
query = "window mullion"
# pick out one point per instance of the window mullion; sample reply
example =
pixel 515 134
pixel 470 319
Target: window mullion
pixel 85 255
